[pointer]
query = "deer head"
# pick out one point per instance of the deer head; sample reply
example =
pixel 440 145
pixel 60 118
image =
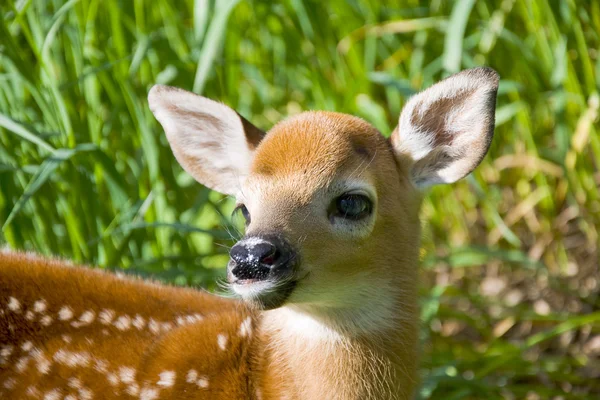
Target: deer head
pixel 331 205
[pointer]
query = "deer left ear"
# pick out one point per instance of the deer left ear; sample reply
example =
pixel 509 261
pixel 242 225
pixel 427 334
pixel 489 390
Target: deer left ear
pixel 445 131
pixel 212 142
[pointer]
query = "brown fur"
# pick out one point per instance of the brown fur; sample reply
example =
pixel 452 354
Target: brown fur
pixel 365 364
pixel 295 162
pixel 104 349
pixel 348 329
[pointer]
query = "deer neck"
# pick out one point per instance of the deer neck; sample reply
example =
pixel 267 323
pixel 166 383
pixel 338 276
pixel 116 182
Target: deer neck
pixel 309 352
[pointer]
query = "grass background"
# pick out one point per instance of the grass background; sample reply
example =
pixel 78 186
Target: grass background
pixel 510 254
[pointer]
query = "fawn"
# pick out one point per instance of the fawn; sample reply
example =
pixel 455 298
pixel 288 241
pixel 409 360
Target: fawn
pixel 327 269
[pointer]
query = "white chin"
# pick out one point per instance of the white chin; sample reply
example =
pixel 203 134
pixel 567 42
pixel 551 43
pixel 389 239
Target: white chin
pixel 251 290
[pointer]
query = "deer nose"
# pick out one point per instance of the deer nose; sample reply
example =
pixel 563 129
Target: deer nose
pixel 256 257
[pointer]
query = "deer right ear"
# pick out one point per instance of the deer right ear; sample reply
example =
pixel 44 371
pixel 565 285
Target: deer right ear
pixel 445 131
pixel 212 142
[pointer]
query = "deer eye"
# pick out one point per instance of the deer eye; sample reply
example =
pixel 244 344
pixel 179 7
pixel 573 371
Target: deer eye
pixel 244 211
pixel 353 206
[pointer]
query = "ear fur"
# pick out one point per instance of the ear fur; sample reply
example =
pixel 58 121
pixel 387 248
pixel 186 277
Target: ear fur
pixel 445 131
pixel 211 141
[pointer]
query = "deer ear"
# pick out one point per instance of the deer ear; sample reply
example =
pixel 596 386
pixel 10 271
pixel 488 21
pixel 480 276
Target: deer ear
pixel 445 131
pixel 211 141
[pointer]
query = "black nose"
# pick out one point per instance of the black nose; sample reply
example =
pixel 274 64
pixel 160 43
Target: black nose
pixel 257 257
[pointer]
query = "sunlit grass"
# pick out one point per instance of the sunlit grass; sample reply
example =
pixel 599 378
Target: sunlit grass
pixel 510 281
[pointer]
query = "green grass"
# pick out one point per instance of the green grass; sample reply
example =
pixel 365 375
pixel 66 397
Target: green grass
pixel 510 255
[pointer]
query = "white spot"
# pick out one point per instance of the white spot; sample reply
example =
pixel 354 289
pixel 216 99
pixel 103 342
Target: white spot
pixel 46 320
pixel 198 317
pixel 60 356
pixel 154 326
pixel 139 322
pixel 67 338
pixel 21 364
pixel 166 326
pixel 194 318
pixel 127 374
pixel 6 351
pixel 189 319
pixel 106 316
pixel 65 313
pixel 40 306
pixel 74 383
pixel 167 379
pixel 29 316
pixel 79 359
pixel 84 319
pixel 133 389
pixel 33 392
pixel 71 397
pixel 72 359
pixel 52 395
pixel 191 376
pixel 101 366
pixel 123 323
pixel 85 394
pixel 27 346
pixel 43 365
pixel 14 305
pixel 202 382
pixel 246 327
pixel 105 332
pixel 148 394
pixel 87 317
pixel 113 379
pixel 10 383
pixel 222 340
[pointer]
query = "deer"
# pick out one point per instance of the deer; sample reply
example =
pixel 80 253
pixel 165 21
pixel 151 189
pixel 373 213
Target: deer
pixel 325 274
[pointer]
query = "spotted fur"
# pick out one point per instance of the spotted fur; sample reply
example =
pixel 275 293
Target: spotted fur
pixel 155 336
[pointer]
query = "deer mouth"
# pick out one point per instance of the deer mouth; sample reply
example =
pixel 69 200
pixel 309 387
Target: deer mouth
pixel 268 291
pixel 264 294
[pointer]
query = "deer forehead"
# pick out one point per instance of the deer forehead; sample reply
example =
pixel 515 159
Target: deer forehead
pixel 313 151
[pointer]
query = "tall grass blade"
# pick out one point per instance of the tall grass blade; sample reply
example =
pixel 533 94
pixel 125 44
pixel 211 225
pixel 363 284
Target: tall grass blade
pixel 455 32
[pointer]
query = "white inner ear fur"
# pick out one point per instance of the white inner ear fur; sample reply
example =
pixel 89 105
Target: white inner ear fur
pixel 207 137
pixel 445 131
